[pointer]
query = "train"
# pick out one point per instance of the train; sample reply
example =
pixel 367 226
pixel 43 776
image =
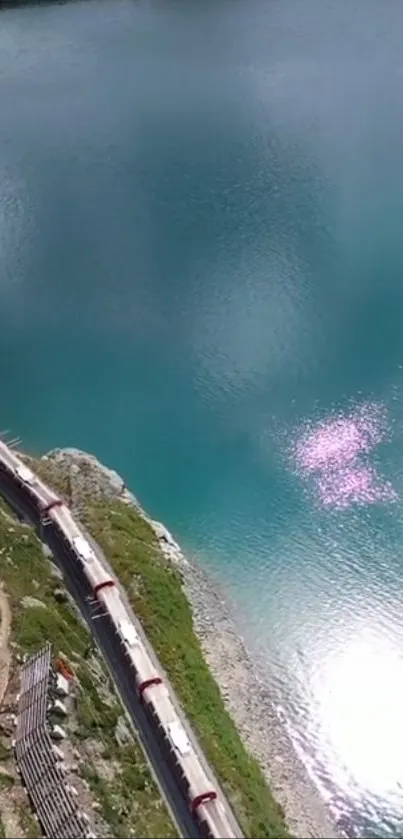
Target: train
pixel 207 806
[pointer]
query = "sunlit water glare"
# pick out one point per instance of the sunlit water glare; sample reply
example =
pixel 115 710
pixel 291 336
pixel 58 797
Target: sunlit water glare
pixel 335 454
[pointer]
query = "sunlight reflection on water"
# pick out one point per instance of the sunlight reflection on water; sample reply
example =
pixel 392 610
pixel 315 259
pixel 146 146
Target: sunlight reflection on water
pixel 335 454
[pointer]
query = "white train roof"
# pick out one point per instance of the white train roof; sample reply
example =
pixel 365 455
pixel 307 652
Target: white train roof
pixel 178 737
pixel 128 632
pixel 83 548
pixel 25 474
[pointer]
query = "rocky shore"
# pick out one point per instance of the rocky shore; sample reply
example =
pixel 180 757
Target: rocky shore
pixel 247 697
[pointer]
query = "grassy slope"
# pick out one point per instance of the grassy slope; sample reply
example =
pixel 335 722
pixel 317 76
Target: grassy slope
pixel 26 572
pixel 155 591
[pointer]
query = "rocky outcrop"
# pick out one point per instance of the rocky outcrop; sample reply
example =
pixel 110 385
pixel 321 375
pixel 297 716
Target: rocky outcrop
pixel 86 472
pixel 87 475
pixel 247 697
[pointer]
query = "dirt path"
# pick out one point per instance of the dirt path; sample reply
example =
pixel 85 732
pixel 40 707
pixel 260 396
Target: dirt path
pixel 5 653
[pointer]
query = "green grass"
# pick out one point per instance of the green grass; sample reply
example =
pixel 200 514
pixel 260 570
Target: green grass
pixel 25 571
pixel 6 781
pixel 28 823
pixel 156 593
pixel 5 752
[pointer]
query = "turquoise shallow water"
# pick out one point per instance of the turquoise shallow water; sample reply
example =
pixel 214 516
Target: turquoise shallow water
pixel 200 257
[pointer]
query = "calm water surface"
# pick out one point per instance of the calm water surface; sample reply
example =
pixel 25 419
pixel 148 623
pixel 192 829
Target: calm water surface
pixel 201 280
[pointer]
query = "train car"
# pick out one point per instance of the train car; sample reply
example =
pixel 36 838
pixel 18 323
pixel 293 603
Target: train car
pixel 8 458
pixel 24 476
pixel 213 821
pixel 132 645
pixel 169 731
pixel 22 479
pixel 161 712
pixel 182 757
pixel 61 516
pixel 16 468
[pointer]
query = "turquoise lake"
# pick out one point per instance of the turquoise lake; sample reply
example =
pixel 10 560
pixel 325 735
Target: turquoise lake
pixel 201 282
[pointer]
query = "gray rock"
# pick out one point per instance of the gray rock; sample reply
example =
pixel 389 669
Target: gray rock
pixel 93 476
pixel 123 732
pixel 33 603
pixel 60 595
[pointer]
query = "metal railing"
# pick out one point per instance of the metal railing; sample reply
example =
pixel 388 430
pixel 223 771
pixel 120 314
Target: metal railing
pixel 55 805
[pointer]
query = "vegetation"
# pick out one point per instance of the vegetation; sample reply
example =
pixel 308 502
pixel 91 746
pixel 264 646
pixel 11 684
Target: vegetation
pixel 156 594
pixel 31 583
pixel 28 823
pixel 6 781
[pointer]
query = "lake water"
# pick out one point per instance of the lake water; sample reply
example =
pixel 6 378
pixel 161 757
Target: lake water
pixel 201 281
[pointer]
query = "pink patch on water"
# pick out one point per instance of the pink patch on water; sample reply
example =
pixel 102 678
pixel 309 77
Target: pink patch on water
pixel 335 454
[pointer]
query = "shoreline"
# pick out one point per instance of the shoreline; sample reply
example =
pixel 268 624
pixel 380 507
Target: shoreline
pixel 250 703
pixel 247 697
